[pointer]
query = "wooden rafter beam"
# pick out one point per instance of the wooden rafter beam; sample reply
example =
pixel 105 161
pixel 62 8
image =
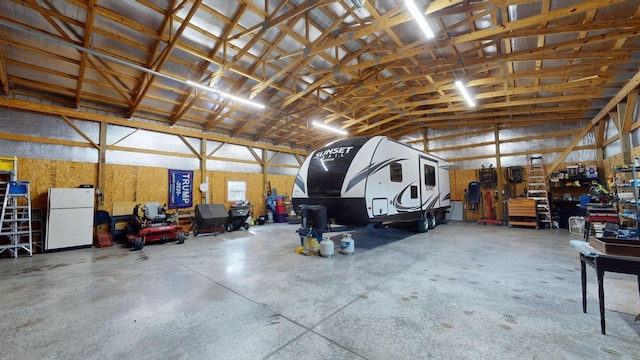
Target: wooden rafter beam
pixel 66 37
pixel 263 27
pixel 298 63
pixel 453 63
pixel 627 117
pixel 437 5
pixel 165 55
pixel 79 131
pixel 184 106
pixel 626 90
pixel 4 77
pixel 88 29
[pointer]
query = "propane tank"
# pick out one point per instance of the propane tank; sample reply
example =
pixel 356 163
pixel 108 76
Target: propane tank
pixel 326 246
pixel 346 244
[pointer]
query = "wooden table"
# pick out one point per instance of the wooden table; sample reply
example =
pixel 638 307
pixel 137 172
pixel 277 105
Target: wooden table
pixel 601 263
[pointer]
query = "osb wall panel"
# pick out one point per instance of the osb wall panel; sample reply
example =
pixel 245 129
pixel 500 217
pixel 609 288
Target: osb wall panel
pixel 282 183
pixel 140 184
pixel 218 188
pixel 45 174
pixel 616 160
pixel 460 179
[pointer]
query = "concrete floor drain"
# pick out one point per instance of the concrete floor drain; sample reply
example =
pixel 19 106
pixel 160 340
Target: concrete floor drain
pixel 447 325
pixel 510 318
pixel 505 326
pixel 612 352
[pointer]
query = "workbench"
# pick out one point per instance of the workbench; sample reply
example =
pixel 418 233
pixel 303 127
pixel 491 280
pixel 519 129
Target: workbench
pixel 601 263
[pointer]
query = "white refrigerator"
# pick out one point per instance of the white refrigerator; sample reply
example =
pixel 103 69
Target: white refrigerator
pixel 69 218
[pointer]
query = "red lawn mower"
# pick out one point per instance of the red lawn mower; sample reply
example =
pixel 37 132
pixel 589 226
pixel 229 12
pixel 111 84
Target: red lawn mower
pixel 154 225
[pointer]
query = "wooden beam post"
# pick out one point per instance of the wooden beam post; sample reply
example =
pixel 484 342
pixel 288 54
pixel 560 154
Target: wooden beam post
pixel 625 140
pixel 203 169
pixel 265 179
pixel 102 152
pixel 500 185
pixel 425 139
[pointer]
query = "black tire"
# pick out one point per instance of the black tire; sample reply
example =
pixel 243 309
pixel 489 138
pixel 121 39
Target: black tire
pixel 181 238
pixel 431 222
pixel 138 243
pixel 245 226
pixel 228 227
pixel 423 224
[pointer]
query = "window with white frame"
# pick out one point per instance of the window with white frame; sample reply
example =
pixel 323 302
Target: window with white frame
pixel 236 190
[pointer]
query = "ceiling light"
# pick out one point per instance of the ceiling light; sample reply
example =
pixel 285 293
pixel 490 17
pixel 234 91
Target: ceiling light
pixel 465 94
pixel 323 126
pixel 225 94
pixel 413 9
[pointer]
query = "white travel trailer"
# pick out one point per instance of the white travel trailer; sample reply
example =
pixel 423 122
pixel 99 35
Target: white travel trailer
pixel 364 180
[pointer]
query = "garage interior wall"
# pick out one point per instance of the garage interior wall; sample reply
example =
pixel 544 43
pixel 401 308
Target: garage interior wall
pixel 53 152
pixel 59 151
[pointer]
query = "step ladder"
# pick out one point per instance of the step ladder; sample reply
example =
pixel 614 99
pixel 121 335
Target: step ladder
pixel 537 190
pixel 15 219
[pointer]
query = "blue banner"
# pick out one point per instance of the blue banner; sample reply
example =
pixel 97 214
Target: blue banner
pixel 180 189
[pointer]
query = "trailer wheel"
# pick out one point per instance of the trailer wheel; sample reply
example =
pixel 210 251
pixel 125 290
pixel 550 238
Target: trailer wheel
pixel 245 226
pixel 181 238
pixel 138 244
pixel 431 220
pixel 228 227
pixel 423 224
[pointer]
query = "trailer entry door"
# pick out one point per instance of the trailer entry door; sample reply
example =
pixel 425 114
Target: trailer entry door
pixel 427 182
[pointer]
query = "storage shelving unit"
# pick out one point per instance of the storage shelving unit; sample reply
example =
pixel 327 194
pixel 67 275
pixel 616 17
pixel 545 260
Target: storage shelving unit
pixel 626 192
pixel 565 197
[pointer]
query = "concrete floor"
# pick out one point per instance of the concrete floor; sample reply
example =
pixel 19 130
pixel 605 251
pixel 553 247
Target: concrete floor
pixel 461 291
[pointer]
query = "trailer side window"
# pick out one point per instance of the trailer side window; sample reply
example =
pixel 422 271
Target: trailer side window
pixel 429 175
pixel 396 172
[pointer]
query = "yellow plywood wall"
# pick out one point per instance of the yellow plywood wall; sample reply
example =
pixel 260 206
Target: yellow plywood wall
pixel 460 180
pixel 45 174
pixel 255 188
pixel 282 183
pixel 143 183
pixel 218 188
pixel 140 184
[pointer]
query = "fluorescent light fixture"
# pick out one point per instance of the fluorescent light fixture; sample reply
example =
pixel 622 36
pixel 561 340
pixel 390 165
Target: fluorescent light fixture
pixel 225 94
pixel 465 94
pixel 323 126
pixel 413 9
